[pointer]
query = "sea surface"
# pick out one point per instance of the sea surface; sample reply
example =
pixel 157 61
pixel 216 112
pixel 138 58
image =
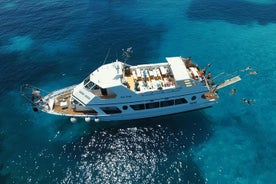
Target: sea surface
pixel 54 44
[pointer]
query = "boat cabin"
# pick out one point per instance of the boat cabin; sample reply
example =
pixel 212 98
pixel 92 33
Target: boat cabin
pixel 119 79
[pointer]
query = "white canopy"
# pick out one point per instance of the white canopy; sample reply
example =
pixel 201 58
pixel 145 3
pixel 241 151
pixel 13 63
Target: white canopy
pixel 178 68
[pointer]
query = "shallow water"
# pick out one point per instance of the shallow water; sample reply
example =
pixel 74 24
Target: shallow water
pixel 53 44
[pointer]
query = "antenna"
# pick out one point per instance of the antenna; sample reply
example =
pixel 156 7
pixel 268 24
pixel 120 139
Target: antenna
pixel 106 56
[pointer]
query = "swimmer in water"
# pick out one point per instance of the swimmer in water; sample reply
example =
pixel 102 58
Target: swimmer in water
pixel 247 68
pixel 253 73
pixel 233 91
pixel 249 102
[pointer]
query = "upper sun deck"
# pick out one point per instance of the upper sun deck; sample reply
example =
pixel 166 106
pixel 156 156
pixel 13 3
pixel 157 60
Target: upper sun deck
pixel 150 77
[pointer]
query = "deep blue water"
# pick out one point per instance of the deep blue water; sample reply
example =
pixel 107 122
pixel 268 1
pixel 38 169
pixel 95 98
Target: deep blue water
pixel 53 44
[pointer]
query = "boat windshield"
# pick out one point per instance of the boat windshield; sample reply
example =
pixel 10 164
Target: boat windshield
pixel 90 85
pixel 86 80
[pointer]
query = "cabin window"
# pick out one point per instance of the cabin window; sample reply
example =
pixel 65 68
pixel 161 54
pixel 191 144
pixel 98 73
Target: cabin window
pixel 180 101
pixel 111 110
pixel 96 87
pixel 75 102
pixel 125 107
pixel 89 85
pixel 166 103
pixel 86 110
pixel 138 107
pixel 152 105
pixel 104 91
pixel 193 97
pixel 92 111
pixel 86 80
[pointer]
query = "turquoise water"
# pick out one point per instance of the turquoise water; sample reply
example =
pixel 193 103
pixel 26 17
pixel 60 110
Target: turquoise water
pixel 53 44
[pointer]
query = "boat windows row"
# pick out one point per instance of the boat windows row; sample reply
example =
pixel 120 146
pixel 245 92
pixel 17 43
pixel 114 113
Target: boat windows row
pixel 151 105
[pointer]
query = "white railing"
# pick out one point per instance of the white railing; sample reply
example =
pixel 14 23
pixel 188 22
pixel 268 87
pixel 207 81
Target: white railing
pixel 59 92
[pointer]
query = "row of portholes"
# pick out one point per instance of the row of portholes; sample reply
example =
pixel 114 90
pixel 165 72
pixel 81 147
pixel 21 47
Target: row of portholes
pixel 125 107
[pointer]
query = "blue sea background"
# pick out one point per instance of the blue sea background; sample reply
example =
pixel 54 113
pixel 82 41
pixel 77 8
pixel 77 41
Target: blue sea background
pixel 54 44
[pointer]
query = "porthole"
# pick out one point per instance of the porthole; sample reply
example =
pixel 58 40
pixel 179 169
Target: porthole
pixel 193 97
pixel 125 107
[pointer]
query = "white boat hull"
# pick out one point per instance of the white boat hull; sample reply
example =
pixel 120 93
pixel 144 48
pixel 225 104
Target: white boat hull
pixel 128 114
pixel 153 113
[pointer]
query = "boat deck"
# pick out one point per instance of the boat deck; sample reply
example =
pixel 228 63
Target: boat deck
pixel 62 105
pixel 149 79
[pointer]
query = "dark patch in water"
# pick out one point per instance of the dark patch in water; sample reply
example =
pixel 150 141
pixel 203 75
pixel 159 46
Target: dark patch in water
pixel 1 142
pixel 107 30
pixel 17 69
pixel 39 20
pixel 233 11
pixel 4 178
pixel 115 31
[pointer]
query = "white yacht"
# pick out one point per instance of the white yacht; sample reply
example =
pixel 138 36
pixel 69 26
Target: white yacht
pixel 119 91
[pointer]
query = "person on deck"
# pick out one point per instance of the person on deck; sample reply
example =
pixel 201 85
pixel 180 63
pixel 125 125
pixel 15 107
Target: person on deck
pixel 208 75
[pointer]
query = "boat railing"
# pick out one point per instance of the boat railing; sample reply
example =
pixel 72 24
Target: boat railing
pixel 30 92
pixel 161 91
pixel 59 92
pixel 36 96
pixel 148 66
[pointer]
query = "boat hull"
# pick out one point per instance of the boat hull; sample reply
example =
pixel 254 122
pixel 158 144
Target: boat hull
pixel 130 114
pixel 150 114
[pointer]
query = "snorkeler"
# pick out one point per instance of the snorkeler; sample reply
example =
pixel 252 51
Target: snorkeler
pixel 249 102
pixel 247 68
pixel 253 73
pixel 233 91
